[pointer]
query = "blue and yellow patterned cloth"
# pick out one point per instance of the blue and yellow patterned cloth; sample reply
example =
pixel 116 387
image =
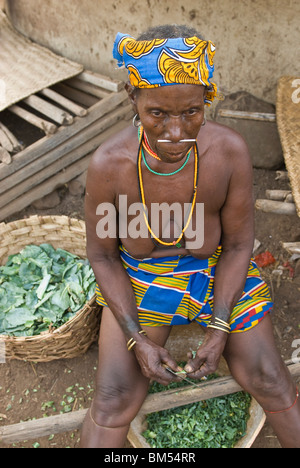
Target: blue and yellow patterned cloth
pixel 162 62
pixel 178 290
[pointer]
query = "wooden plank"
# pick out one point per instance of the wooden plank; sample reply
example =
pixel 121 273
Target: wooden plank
pixel 5 141
pixel 40 427
pixel 277 207
pixel 16 145
pixel 5 157
pixel 45 167
pixel 101 81
pixel 57 180
pixel 87 88
pixel 291 247
pixel 234 114
pixel 48 143
pixel 23 180
pixel 75 95
pixel 154 402
pixel 47 127
pixel 280 195
pixel 64 102
pixel 44 189
pixel 208 389
pixel 59 116
pixel 174 398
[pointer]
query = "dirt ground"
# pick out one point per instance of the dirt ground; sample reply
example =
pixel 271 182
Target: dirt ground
pixel 34 390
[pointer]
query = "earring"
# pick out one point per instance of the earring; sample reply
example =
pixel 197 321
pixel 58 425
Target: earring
pixel 136 121
pixel 204 121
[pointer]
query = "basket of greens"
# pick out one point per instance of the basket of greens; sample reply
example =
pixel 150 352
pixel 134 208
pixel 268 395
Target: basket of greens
pixel 48 307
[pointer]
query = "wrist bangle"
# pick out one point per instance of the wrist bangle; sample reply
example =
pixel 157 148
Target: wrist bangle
pixel 218 327
pixel 131 343
pixel 217 322
pixel 222 322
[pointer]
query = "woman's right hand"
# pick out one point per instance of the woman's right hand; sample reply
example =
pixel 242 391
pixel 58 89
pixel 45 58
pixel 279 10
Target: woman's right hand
pixel 153 360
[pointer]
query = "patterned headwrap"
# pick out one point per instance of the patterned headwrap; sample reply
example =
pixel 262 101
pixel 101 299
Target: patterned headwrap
pixel 161 62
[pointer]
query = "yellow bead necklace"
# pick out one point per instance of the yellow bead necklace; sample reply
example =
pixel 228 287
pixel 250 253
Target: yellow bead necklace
pixel 142 196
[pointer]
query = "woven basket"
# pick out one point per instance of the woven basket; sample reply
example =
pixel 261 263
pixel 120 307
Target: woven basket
pixel 74 337
pixel 288 123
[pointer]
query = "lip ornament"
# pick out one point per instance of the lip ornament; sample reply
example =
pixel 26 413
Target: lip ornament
pixel 188 140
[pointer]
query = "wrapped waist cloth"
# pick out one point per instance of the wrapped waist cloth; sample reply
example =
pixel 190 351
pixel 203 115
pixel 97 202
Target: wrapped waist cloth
pixel 180 289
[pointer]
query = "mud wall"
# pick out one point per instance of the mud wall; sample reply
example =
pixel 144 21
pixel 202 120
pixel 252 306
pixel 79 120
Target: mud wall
pixel 256 41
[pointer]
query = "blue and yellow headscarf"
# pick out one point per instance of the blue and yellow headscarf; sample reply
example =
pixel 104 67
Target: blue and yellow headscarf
pixel 162 62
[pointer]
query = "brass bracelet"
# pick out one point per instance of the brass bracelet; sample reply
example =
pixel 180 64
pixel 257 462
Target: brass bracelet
pixel 222 323
pixel 131 343
pixel 217 327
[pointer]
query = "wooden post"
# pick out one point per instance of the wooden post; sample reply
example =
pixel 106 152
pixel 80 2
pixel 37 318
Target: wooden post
pixel 291 247
pixel 16 145
pixel 64 102
pixel 278 207
pixel 280 195
pixel 48 127
pixel 49 110
pixel 234 114
pixel 88 88
pixel 76 95
pixel 5 141
pixel 5 157
pixel 101 81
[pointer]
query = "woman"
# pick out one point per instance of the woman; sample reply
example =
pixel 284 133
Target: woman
pixel 151 278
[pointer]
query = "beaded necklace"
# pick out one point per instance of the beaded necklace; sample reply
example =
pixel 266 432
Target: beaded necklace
pixel 168 173
pixel 142 197
pixel 145 144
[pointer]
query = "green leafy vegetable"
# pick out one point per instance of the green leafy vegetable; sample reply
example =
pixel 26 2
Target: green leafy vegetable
pixel 214 423
pixel 42 287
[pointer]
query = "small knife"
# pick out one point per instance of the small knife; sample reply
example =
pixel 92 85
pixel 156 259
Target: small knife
pixel 179 374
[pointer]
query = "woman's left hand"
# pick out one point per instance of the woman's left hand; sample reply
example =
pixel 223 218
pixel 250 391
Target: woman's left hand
pixel 208 355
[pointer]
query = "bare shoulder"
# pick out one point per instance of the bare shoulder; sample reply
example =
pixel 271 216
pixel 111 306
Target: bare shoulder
pixel 111 163
pixel 229 144
pixel 115 151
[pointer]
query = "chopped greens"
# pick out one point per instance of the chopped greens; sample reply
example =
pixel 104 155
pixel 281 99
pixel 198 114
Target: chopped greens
pixel 215 423
pixel 41 287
